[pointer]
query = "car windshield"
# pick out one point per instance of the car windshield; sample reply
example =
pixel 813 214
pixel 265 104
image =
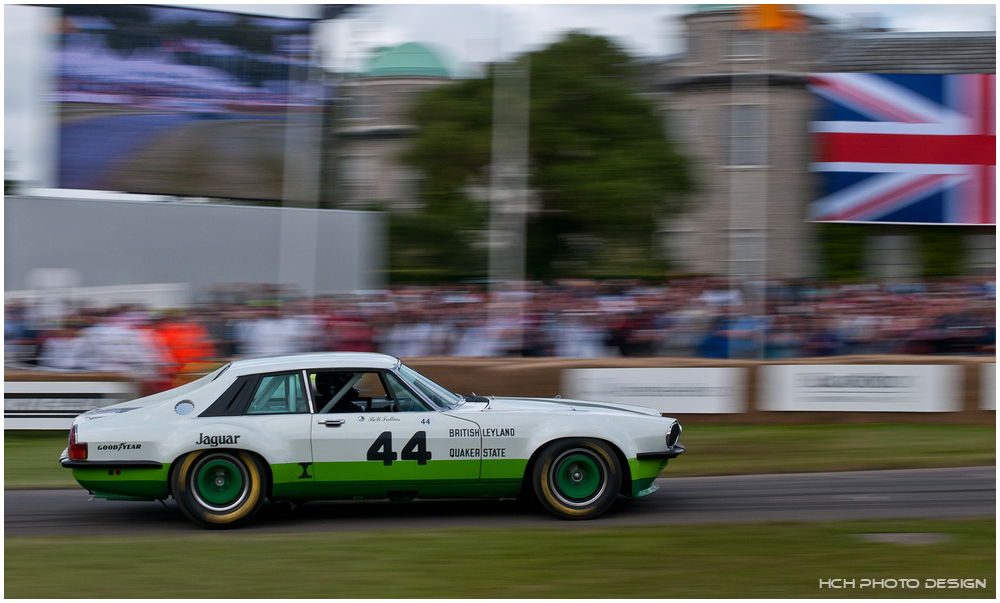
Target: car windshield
pixel 437 394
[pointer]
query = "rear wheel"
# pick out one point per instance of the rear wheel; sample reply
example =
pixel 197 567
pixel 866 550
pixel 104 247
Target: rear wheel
pixel 219 489
pixel 578 478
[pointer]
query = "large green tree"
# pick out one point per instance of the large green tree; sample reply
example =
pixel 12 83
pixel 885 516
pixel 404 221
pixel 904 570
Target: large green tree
pixel 599 166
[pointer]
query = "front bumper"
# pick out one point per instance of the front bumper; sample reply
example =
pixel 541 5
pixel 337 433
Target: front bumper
pixel 646 467
pixel 670 453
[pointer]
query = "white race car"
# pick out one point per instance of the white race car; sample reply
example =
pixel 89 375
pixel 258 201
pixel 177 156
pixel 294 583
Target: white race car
pixel 352 425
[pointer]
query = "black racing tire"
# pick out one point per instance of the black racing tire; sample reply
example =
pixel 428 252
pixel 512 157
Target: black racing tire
pixel 219 488
pixel 577 478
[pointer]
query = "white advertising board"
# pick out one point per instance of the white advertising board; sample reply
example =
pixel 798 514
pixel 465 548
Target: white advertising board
pixel 988 386
pixel 54 404
pixel 668 390
pixel 860 388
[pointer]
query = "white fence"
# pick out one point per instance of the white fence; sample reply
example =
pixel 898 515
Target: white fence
pixel 860 388
pixel 709 390
pixel 755 392
pixel 988 386
pixel 54 404
pixel 782 388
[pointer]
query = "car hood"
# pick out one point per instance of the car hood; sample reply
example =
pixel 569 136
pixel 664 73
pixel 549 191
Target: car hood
pixel 496 404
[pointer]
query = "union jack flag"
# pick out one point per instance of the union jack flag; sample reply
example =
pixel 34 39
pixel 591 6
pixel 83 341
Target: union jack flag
pixel 905 148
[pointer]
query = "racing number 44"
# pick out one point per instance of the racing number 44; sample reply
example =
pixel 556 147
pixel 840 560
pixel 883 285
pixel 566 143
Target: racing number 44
pixel 414 450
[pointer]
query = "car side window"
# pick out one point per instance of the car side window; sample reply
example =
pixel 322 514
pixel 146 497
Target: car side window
pixel 407 400
pixel 279 394
pixel 346 391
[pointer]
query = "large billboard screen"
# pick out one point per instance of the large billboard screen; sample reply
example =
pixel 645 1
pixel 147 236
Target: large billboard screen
pixel 182 102
pixel 914 149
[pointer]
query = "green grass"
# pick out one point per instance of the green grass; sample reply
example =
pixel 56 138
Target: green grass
pixel 31 458
pixel 733 560
pixel 732 449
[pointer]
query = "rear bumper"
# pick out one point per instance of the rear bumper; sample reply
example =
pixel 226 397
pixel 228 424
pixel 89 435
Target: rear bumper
pixel 110 464
pixel 124 480
pixel 65 462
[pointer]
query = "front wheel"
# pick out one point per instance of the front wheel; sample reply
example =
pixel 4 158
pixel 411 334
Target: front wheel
pixel 577 478
pixel 219 489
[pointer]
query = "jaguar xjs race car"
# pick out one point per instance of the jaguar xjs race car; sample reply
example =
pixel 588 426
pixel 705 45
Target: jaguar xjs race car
pixel 350 425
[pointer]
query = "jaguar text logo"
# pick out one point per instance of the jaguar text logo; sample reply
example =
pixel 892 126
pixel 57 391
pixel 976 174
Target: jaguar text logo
pixel 214 441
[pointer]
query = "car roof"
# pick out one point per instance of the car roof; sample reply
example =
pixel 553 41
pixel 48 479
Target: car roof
pixel 331 360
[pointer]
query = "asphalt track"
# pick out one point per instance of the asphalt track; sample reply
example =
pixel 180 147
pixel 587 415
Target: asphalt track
pixel 902 494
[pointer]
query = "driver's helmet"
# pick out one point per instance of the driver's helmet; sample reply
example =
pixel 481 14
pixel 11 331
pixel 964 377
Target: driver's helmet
pixel 328 384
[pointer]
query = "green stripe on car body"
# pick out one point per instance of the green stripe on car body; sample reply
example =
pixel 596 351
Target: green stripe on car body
pixel 644 473
pixel 363 472
pixel 368 479
pixel 503 470
pixel 291 473
pixel 646 469
pixel 361 479
pixel 414 490
pixel 292 481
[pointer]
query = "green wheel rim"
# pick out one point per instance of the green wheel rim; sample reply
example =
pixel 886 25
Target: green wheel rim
pixel 578 476
pixel 219 481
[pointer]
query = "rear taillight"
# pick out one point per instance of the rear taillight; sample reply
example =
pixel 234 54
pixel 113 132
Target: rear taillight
pixel 77 450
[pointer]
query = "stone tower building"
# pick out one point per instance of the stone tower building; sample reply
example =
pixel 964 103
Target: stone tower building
pixel 372 127
pixel 737 104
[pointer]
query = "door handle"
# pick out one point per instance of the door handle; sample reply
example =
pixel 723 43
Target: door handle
pixel 331 422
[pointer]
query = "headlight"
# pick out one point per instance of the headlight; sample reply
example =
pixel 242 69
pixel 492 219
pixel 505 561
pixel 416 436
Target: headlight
pixel 675 432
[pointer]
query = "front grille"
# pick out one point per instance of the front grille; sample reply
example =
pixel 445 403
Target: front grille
pixel 675 432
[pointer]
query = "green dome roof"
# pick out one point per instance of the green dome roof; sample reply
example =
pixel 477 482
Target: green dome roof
pixel 406 59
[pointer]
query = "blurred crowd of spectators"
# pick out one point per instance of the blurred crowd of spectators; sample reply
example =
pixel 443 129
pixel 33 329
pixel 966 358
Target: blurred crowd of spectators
pixel 583 319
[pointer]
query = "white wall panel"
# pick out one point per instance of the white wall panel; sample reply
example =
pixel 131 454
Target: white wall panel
pixel 113 243
pixel 668 390
pixel 860 388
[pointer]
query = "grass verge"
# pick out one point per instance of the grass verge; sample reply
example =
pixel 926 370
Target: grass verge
pixel 733 560
pixel 31 458
pixel 746 450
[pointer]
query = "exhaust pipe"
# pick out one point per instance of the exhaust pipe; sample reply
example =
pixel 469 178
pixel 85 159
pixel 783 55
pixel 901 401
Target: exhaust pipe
pixel 287 507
